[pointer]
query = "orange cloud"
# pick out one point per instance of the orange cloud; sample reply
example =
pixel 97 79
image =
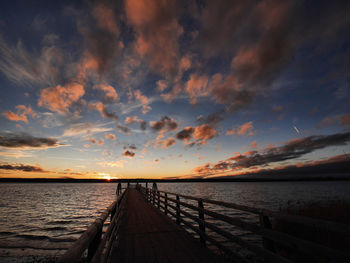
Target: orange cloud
pixel 110 136
pixel 204 132
pixel 60 98
pixel 167 143
pixel 21 115
pixel 143 100
pixel 157 32
pixel 196 86
pixel 254 144
pixel 109 91
pixel 101 108
pixel 244 129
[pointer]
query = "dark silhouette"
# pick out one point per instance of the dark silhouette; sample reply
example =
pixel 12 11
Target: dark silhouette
pixel 119 189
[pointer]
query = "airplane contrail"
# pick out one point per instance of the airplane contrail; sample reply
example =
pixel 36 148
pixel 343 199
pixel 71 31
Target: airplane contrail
pixel 296 129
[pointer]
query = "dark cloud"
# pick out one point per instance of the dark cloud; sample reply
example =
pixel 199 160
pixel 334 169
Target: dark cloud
pixel 128 153
pixel 263 37
pixel 21 167
pixel 164 123
pixel 185 134
pixel 291 150
pixel 122 129
pixel 23 140
pixel 98 24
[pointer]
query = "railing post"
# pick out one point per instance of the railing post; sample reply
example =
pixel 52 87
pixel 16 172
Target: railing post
pixel 166 204
pixel 178 210
pixel 153 196
pixel 265 223
pixel 201 217
pixel 158 199
pixel 94 243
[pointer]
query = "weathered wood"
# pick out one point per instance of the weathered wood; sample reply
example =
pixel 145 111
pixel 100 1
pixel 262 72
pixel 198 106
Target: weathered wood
pixel 269 235
pixel 201 217
pixel 158 194
pixel 178 210
pixel 147 235
pixel 166 204
pixel 89 239
pixel 303 220
pixel 265 223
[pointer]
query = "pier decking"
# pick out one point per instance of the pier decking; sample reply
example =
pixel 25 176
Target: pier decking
pixel 147 235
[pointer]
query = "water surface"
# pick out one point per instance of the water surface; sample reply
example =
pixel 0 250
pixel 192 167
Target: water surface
pixel 43 219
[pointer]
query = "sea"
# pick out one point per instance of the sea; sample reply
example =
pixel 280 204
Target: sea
pixel 39 221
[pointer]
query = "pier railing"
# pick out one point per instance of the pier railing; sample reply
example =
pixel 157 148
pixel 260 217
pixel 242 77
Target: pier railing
pixel 92 241
pixel 197 215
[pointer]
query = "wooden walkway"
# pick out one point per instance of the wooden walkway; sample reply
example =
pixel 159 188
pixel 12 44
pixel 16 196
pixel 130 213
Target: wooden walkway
pixel 147 235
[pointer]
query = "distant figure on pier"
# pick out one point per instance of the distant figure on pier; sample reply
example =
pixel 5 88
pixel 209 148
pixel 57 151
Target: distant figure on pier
pixel 119 189
pixel 154 186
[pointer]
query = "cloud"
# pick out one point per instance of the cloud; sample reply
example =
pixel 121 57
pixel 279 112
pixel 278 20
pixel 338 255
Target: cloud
pixel 201 134
pixel 98 142
pixel 196 86
pixel 135 119
pixel 119 164
pixel 165 122
pixel 100 32
pixel 110 136
pixel 254 144
pixel 22 167
pixel 244 129
pixel 24 68
pixel 204 132
pixel 84 129
pixel 167 143
pixel 128 153
pixel 345 119
pixel 143 100
pixel 157 32
pixel 24 140
pixel 110 93
pixel 185 134
pixel 290 150
pixel 21 115
pixel 101 108
pixel 60 98
pixel 122 129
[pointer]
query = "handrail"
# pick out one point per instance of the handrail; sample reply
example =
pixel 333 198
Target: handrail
pixel 310 222
pixel 91 238
pixel 272 238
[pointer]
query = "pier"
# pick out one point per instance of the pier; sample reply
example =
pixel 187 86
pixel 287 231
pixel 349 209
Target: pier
pixel 148 225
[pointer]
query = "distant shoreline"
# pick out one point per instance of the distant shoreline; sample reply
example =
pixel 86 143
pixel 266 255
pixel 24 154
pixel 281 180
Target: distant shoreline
pixel 193 180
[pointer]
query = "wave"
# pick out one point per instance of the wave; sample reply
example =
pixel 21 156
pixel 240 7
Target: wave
pixel 55 228
pixel 59 222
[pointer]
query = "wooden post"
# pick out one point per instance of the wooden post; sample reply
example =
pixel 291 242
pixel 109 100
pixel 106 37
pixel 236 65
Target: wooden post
pixel 178 210
pixel 158 199
pixel 166 204
pixel 201 217
pixel 94 243
pixel 265 222
pixel 154 196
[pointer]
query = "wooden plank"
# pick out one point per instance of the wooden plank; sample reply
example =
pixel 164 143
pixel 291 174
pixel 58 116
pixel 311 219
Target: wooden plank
pixel 147 235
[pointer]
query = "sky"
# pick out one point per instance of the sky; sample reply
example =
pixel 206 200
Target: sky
pixel 172 89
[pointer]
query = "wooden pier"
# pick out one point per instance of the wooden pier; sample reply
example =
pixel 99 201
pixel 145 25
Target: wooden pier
pixel 148 225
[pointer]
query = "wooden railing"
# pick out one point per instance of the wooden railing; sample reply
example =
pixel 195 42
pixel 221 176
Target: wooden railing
pixel 91 240
pixel 201 221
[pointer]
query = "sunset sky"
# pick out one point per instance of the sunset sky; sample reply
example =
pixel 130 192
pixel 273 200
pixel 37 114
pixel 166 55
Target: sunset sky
pixel 172 89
